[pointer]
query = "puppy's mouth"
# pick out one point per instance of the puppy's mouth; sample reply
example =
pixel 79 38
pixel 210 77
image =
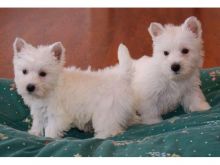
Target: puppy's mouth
pixel 35 93
pixel 177 75
pixel 32 93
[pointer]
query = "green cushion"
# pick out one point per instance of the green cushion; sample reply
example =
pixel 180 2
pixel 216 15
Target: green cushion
pixel 180 134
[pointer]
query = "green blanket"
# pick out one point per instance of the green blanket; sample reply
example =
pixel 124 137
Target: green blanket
pixel 180 134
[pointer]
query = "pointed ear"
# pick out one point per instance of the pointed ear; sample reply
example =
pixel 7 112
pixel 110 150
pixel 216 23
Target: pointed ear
pixel 155 29
pixel 58 50
pixel 192 24
pixel 18 45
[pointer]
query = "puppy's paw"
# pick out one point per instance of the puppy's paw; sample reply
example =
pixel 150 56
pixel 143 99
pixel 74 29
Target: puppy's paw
pixel 52 133
pixel 116 132
pixel 106 134
pixel 152 121
pixel 35 132
pixel 203 106
pixel 136 119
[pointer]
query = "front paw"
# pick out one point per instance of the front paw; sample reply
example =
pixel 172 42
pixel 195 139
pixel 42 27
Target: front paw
pixel 152 121
pixel 52 133
pixel 203 106
pixel 35 132
pixel 106 134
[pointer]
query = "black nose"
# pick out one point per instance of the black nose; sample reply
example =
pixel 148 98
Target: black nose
pixel 175 67
pixel 30 87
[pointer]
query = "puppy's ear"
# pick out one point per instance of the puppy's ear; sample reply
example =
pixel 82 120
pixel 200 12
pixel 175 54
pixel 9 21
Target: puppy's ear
pixel 18 45
pixel 155 29
pixel 192 24
pixel 58 50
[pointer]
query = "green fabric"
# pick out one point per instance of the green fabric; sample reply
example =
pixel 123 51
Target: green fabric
pixel 180 134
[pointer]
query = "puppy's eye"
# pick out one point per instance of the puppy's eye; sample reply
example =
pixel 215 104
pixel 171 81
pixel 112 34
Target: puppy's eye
pixel 185 51
pixel 166 53
pixel 42 74
pixel 24 71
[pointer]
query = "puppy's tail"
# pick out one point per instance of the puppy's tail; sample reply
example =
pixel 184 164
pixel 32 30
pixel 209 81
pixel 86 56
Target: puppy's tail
pixel 124 58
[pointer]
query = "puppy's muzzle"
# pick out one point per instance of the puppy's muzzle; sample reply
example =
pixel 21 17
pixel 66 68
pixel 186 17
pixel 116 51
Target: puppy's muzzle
pixel 30 88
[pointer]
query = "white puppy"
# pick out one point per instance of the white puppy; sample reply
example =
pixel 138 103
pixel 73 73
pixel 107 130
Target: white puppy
pixel 172 75
pixel 60 98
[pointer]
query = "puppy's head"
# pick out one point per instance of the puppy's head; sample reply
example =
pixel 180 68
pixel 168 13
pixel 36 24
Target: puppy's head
pixel 178 49
pixel 37 69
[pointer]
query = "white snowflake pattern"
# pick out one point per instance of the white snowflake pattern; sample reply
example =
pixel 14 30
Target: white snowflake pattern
pixel 3 136
pixel 77 155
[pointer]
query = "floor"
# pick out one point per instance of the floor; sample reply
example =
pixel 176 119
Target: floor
pixel 91 36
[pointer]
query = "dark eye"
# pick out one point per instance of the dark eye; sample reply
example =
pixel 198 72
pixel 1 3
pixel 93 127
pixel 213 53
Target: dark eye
pixel 24 71
pixel 166 53
pixel 185 51
pixel 42 74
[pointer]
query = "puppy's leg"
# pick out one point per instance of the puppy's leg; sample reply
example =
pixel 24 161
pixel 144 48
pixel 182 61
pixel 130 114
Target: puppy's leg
pixel 110 124
pixel 107 132
pixel 38 123
pixel 151 117
pixel 54 128
pixel 57 123
pixel 149 113
pixel 107 128
pixel 195 101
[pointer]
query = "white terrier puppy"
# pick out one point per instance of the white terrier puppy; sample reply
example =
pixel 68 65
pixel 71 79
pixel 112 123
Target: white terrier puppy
pixel 172 75
pixel 60 98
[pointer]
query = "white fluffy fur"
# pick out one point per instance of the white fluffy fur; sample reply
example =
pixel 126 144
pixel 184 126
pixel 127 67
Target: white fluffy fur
pixel 70 97
pixel 157 88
